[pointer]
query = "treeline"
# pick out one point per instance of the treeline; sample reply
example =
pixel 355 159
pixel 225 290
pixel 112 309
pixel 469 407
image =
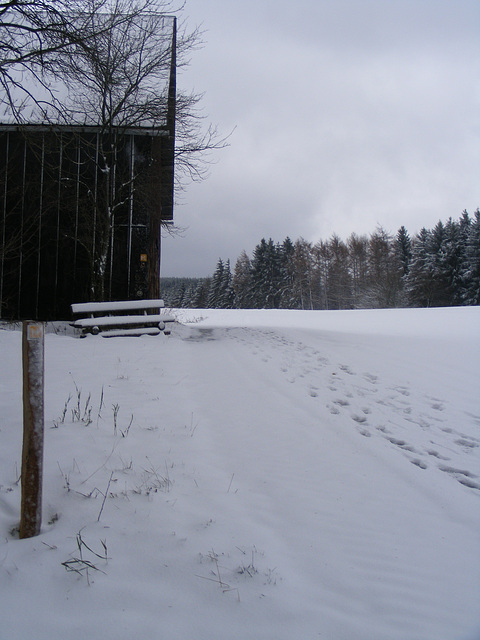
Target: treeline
pixel 437 267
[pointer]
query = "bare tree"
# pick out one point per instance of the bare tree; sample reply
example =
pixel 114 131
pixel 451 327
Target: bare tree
pixel 108 64
pixel 34 35
pixel 384 270
pixel 358 266
pixel 119 80
pixel 125 79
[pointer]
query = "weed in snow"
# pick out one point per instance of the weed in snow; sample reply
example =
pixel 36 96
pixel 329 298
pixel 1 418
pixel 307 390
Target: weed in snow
pixel 80 563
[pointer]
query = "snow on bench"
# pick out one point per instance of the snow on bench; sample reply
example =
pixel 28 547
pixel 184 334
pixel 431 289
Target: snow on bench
pixel 121 318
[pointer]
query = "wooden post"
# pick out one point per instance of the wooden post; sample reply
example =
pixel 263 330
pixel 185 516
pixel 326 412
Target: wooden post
pixel 33 340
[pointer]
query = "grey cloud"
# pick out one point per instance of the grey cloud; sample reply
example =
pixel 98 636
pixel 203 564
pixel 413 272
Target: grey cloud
pixel 347 114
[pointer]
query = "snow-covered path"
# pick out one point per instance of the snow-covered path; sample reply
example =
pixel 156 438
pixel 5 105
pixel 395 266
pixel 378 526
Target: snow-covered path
pixel 367 538
pixel 285 475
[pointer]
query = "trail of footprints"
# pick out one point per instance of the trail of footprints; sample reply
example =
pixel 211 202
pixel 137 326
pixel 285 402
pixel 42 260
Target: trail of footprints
pixel 356 397
pixel 437 439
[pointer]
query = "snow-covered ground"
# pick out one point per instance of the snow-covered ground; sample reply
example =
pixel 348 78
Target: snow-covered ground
pixel 257 474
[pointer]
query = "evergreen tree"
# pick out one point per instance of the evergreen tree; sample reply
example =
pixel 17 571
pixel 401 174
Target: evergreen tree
pixel 200 297
pixel 242 281
pixel 179 296
pixel 403 250
pixel 266 275
pixel 452 258
pixel 460 280
pixel 287 278
pixel 226 292
pixel 214 294
pixel 189 295
pixel 419 281
pixel 437 266
pixel 470 292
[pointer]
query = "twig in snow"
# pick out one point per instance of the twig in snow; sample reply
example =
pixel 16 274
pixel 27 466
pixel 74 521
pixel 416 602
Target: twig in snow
pixel 102 465
pixel 99 414
pixel 104 498
pixel 125 433
pixel 116 409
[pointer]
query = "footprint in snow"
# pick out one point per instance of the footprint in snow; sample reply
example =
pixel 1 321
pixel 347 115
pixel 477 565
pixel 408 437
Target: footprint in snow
pixel 462 476
pixel 402 444
pixel 419 463
pixel 346 369
pixel 435 454
pixel 404 391
pixel 466 444
pixel 475 418
pixel 358 418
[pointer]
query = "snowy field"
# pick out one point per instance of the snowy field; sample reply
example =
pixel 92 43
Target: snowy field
pixel 256 475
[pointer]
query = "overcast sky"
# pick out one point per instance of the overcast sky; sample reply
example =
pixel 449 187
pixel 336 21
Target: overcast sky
pixel 345 114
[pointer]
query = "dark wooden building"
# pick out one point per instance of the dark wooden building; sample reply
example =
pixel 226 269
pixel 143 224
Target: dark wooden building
pixel 81 209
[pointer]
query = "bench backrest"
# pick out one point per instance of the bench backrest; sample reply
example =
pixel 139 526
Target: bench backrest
pixel 82 308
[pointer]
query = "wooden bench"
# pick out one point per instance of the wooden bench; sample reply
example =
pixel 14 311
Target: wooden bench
pixel 122 318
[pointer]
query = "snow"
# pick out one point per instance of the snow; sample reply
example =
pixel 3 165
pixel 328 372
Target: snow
pixel 104 307
pixel 139 331
pixel 286 474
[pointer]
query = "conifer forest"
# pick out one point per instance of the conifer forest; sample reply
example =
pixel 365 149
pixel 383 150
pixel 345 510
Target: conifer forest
pixel 436 268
